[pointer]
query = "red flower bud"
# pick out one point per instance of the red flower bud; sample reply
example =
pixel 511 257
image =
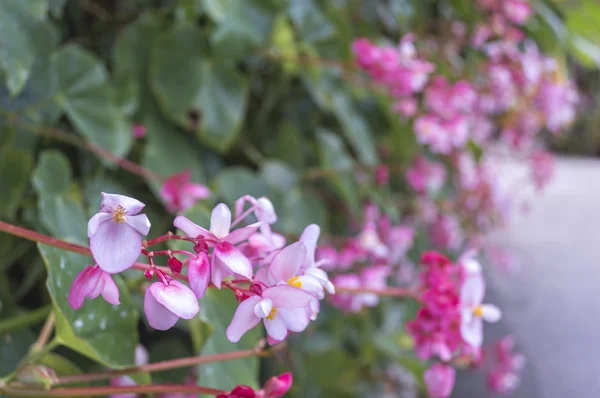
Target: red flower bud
pixel 174 265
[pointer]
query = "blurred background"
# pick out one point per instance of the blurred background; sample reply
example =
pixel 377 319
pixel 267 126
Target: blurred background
pixel 340 112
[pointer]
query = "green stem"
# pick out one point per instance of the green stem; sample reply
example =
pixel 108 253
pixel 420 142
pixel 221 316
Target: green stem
pixel 20 321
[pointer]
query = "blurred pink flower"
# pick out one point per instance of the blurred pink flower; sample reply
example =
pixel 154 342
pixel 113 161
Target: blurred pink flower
pixel 179 194
pixel 439 380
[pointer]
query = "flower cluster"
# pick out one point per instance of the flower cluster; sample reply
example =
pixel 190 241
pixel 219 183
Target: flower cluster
pixel 503 376
pixel 276 284
pixel 450 320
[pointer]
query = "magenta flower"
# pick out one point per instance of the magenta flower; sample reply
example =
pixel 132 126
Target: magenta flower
pixel 92 282
pixel 263 210
pixel 439 380
pixel 138 131
pixel 116 231
pixel 278 386
pixel 179 194
pixel 473 312
pixel 226 258
pixel 282 308
pixel 164 304
pixel 199 274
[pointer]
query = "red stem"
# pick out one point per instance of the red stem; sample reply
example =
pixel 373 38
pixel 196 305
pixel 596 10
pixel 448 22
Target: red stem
pixel 108 390
pixel 386 291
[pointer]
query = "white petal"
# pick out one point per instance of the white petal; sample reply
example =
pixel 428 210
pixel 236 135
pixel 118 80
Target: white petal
pixel 115 247
pixel 490 313
pixel 472 291
pixel 472 332
pixel 287 262
pixel 158 316
pixel 177 298
pixel 95 222
pixel 191 229
pixel 220 220
pixel 263 308
pixel 111 202
pixel 267 211
pixel 309 237
pixel 276 327
pixel 295 319
pixel 312 286
pixel 140 223
pixel 471 267
pixel 243 319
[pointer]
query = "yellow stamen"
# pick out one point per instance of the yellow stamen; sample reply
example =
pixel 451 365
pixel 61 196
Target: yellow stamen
pixel 272 314
pixel 295 281
pixel 478 311
pixel 119 215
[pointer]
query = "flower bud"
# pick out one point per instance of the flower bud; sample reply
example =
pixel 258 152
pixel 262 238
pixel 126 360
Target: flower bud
pixel 37 375
pixel 174 265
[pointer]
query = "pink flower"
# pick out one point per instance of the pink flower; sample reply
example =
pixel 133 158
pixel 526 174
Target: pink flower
pixel 503 377
pixel 263 210
pixel 542 168
pixel 518 11
pixel 277 386
pixel 116 232
pixel 426 177
pixel 92 282
pixel 286 268
pixel 446 232
pixel 199 274
pixel 473 312
pixel 165 303
pixel 180 194
pixel 281 308
pixel 309 238
pixel 226 258
pixel 439 380
pixel 138 131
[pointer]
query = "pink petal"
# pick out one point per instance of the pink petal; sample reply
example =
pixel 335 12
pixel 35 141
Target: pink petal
pixel 158 316
pixel 177 298
pixel 99 286
pixel 285 296
pixel 241 234
pixel 84 283
pixel 311 285
pixel 111 201
pixel 197 191
pixel 191 229
pixel 199 274
pixel 123 381
pixel 309 237
pixel 239 204
pixel 95 222
pixel 220 220
pixel 110 293
pixel 115 247
pixel 287 262
pixel 276 327
pixel 243 319
pixel 140 223
pixel 278 386
pixel 295 319
pixel 267 211
pixel 233 259
pixel 472 291
pixel 218 271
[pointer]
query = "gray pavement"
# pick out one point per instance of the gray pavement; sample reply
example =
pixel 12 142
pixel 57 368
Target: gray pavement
pixel 552 303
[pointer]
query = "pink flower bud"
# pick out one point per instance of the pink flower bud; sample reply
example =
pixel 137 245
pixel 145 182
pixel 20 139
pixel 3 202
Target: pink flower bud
pixel 92 282
pixel 174 265
pixel 199 274
pixel 138 131
pixel 278 386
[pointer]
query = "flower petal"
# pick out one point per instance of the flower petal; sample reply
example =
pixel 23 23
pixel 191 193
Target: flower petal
pixel 140 223
pixel 99 286
pixel 263 308
pixel 241 234
pixel 243 319
pixel 310 285
pixel 472 291
pixel 115 247
pixel 177 298
pixel 287 262
pixel 472 331
pixel 111 201
pixel 285 296
pixel 322 277
pixel 110 292
pixel 490 313
pixel 278 386
pixel 295 319
pixel 84 283
pixel 233 259
pixel 220 220
pixel 267 210
pixel 309 237
pixel 191 229
pixel 199 274
pixel 158 316
pixel 95 222
pixel 276 327
pixel 217 271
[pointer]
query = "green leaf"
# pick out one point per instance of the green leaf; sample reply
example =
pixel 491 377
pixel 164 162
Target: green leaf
pixel 56 7
pixel 334 158
pixel 103 332
pixel 169 151
pixel 299 209
pixel 313 26
pixel 218 306
pixel 13 347
pixel 52 175
pixel 25 36
pixel 195 92
pixel 15 167
pixel 246 25
pixel 235 182
pixel 170 347
pixel 284 44
pixel 89 100
pixel 355 128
